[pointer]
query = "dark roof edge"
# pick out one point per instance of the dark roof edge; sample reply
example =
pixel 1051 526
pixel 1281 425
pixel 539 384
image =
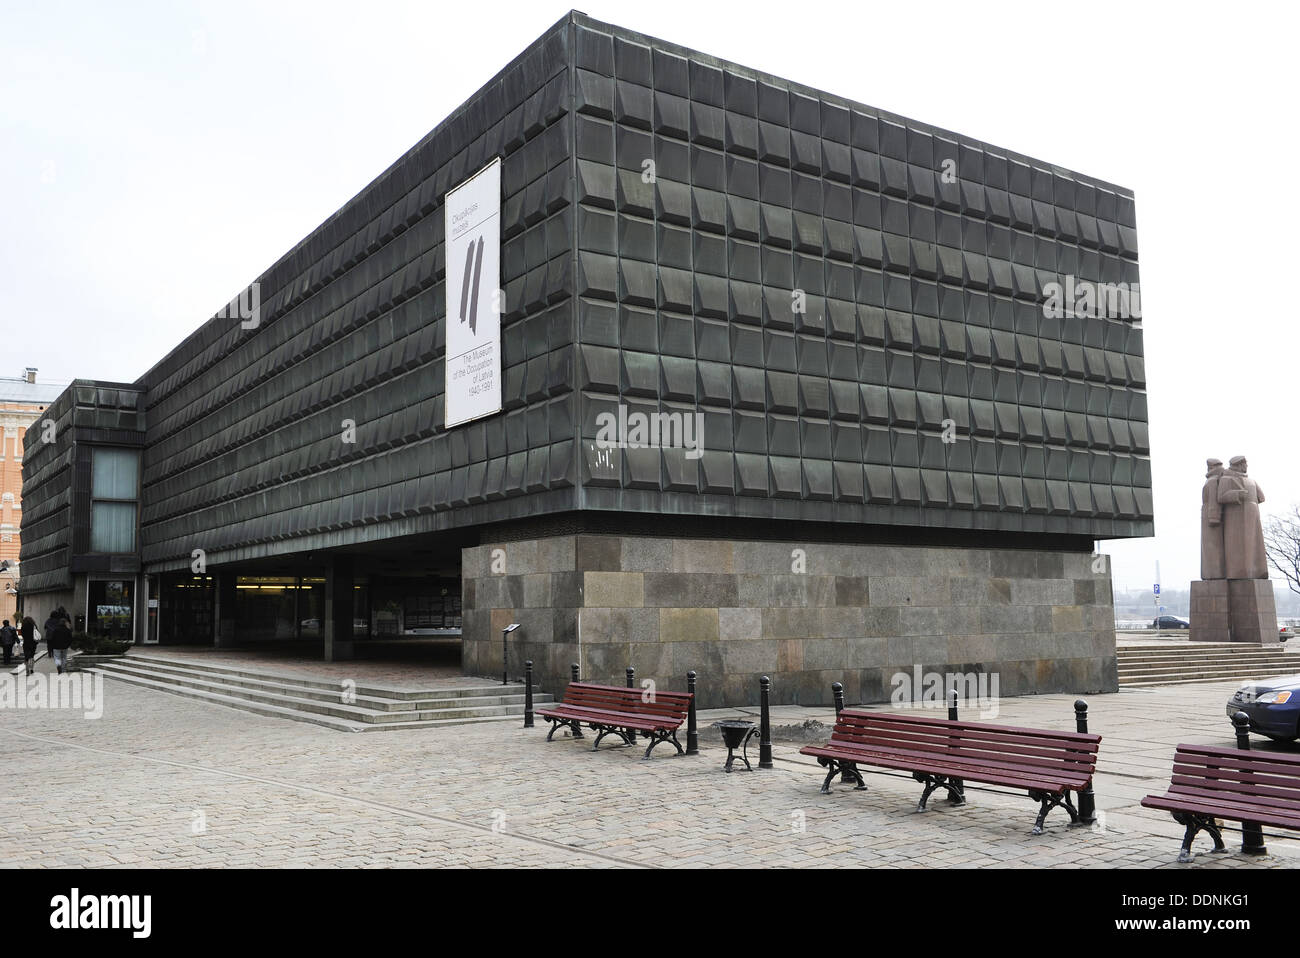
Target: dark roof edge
pixel 106 383
pixel 581 19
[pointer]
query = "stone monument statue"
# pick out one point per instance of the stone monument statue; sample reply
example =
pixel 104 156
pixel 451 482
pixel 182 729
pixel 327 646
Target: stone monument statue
pixel 1233 600
pixel 1211 524
pixel 1243 535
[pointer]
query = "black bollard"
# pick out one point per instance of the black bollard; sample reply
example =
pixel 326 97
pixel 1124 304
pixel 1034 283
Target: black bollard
pixel 765 723
pixel 692 730
pixel 528 694
pixel 1241 722
pixel 631 683
pixel 575 727
pixel 837 690
pixel 1087 801
pixel 957 783
pixel 1252 835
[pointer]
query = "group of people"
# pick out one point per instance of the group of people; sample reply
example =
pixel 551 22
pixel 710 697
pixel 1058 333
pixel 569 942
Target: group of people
pixel 57 634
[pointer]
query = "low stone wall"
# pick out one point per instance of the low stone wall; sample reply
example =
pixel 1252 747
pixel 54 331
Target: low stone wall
pixel 807 614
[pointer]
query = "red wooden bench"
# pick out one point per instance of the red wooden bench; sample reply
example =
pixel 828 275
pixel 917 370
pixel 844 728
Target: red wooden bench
pixel 624 712
pixel 1209 782
pixel 944 753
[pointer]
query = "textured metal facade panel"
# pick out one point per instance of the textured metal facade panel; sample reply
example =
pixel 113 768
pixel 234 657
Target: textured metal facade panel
pixel 248 452
pixel 712 199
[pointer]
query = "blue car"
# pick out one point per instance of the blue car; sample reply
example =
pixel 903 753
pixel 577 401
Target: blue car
pixel 1272 705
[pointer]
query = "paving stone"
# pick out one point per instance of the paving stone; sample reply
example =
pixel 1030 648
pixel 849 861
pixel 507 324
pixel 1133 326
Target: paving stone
pixel 284 794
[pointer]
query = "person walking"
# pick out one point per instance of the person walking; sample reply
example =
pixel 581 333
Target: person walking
pixel 30 638
pixel 8 636
pixel 58 637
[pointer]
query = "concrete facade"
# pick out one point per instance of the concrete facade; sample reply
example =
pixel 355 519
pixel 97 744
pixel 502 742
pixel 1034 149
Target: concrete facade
pixel 734 610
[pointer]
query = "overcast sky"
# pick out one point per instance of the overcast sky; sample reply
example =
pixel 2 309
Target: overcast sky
pixel 156 157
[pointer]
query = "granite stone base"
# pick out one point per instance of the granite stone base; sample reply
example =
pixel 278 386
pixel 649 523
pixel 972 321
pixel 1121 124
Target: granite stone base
pixel 1233 610
pixel 807 614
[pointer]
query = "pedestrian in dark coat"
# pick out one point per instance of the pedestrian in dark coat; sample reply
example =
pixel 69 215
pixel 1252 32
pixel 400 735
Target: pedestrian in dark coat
pixel 58 637
pixel 30 638
pixel 8 636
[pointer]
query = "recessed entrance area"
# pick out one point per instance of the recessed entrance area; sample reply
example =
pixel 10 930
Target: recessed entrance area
pixel 399 602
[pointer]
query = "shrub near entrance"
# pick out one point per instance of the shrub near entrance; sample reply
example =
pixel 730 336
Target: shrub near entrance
pixel 97 645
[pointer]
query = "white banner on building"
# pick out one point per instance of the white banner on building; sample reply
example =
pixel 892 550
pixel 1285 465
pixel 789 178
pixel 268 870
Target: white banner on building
pixel 473 238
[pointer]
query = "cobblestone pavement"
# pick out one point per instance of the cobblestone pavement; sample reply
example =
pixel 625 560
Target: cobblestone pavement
pixel 161 780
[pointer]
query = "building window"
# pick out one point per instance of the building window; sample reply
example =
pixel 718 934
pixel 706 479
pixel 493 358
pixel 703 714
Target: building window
pixel 114 484
pixel 110 607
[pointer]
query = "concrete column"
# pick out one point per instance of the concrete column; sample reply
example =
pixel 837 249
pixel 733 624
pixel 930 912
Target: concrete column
pixel 337 624
pixel 223 615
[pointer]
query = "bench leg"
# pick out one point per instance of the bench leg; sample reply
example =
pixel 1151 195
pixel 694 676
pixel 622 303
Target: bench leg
pixel 1196 823
pixel 1049 802
pixel 848 772
pixel 657 738
pixel 955 787
pixel 608 730
pixel 557 724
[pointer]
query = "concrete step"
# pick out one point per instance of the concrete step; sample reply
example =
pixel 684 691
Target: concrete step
pixel 1187 662
pixel 309 703
pixel 1198 650
pixel 1149 665
pixel 1206 675
pixel 339 709
pixel 296 715
pixel 307 682
pixel 513 695
pixel 1177 680
pixel 1170 648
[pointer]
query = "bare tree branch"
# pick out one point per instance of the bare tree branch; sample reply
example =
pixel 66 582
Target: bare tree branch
pixel 1282 543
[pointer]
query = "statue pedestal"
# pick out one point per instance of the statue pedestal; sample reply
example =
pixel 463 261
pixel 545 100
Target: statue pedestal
pixel 1234 610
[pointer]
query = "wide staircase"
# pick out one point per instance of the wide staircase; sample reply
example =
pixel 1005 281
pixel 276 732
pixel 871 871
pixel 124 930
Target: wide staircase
pixel 1174 663
pixel 346 707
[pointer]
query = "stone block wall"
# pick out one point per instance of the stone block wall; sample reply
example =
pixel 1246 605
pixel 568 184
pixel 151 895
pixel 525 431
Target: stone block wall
pixel 805 613
pixel 1233 610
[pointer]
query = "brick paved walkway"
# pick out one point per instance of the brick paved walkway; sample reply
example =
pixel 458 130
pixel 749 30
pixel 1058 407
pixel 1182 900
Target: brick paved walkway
pixel 166 781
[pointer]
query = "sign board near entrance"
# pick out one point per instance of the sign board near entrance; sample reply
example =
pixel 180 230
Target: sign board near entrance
pixel 473 237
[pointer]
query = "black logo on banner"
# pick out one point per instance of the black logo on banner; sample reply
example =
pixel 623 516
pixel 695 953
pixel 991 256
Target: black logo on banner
pixel 469 285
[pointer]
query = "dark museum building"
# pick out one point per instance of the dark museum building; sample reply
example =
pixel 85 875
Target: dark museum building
pixel 905 455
